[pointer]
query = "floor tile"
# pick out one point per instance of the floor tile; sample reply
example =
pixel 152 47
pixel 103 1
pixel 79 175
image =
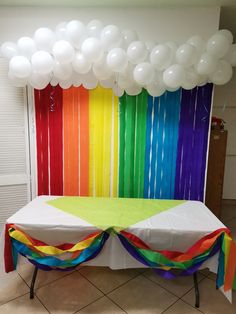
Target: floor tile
pixel 102 306
pixel 107 279
pixel 212 301
pixel 205 271
pixel 15 288
pixel 178 286
pixel 212 276
pixel 141 295
pixel 23 305
pixel 181 308
pixel 43 277
pixel 68 294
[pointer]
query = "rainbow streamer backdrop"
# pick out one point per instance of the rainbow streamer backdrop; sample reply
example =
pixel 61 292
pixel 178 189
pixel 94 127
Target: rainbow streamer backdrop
pixel 91 143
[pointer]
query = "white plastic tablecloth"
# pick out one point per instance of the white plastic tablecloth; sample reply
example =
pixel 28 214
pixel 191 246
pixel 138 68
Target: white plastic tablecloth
pixel 175 229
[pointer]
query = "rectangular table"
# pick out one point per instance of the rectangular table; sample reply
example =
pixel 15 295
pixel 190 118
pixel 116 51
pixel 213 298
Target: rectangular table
pixel 127 224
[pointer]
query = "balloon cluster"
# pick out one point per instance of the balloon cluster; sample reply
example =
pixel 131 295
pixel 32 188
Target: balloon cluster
pixel 75 54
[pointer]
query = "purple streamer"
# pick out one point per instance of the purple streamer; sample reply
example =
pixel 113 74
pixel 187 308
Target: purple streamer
pixel 192 143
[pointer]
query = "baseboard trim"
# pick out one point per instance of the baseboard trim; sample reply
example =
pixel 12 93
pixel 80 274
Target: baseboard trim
pixel 229 201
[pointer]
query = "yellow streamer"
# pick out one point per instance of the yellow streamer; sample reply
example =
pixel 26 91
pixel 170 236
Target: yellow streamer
pixel 48 249
pixel 115 146
pixel 103 159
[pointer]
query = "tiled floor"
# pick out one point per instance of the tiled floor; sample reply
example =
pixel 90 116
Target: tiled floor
pixel 103 291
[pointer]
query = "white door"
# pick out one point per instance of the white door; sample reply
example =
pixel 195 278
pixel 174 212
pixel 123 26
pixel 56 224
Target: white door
pixel 14 147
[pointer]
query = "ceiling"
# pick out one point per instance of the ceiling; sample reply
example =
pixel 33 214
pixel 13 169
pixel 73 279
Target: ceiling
pixel 228 7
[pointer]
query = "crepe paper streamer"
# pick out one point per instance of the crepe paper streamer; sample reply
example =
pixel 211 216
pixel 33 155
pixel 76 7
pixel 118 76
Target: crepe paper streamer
pixel 55 140
pixel 161 145
pixel 41 117
pixel 135 146
pixel 103 124
pixel 71 141
pixel 188 262
pixel 192 143
pixel 118 213
pixel 43 254
pixel 164 262
pixel 83 141
pixel 8 252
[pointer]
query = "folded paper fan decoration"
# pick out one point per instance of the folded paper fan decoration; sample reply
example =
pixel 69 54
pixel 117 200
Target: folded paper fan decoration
pixel 77 54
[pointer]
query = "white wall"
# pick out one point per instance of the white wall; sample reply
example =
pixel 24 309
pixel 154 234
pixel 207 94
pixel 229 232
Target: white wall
pixel 225 108
pixel 150 23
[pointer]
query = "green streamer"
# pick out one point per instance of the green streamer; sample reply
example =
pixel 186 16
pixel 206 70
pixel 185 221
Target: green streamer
pixel 130 107
pixel 140 140
pixel 122 102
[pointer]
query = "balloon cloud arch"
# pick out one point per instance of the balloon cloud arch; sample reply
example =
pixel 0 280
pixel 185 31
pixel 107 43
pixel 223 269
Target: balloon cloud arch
pixel 77 54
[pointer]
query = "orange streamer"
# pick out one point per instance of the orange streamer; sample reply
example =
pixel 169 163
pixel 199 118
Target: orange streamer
pixel 71 135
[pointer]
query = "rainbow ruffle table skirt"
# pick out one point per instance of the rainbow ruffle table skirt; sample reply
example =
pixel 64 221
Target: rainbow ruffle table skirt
pixel 174 238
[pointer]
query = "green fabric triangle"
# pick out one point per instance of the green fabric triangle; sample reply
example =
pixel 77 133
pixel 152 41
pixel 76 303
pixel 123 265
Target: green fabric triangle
pixel 116 213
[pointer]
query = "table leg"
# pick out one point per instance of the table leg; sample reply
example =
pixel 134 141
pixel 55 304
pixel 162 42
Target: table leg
pixel 33 282
pixel 197 297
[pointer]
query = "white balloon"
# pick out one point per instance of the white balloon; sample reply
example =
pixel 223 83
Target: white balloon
pixel 137 52
pixel 39 81
pixel 109 83
pixel 80 64
pixel 94 28
pixel 62 71
pixel 133 90
pixel 89 80
pixel 54 81
pixel 92 49
pixel 101 70
pixel 63 51
pixel 125 78
pixel 227 34
pixel 76 33
pixel 191 79
pixel 17 82
pixel 218 45
pixel 128 37
pixel 76 79
pixel 197 42
pixel 157 87
pixel 26 46
pixel 143 73
pixel 42 62
pixel 202 80
pixel 111 37
pixel 186 55
pixel 65 84
pixel 9 50
pixel 118 91
pixel 231 55
pixel 174 76
pixel 60 30
pixel 172 89
pixel 117 59
pixel 206 64
pixel 172 45
pixel 223 73
pixel 154 90
pixel 150 44
pixel 161 57
pixel 44 38
pixel 20 66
